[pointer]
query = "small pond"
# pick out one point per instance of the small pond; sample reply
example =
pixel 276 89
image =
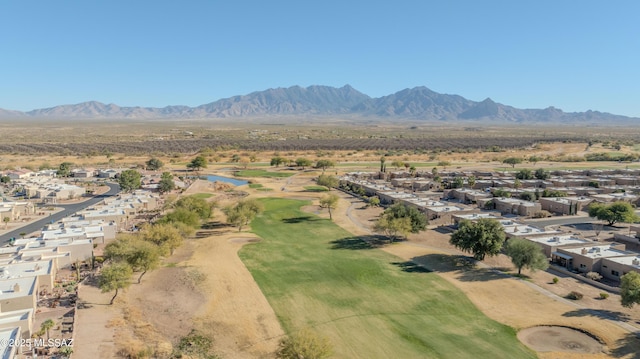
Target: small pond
pixel 233 181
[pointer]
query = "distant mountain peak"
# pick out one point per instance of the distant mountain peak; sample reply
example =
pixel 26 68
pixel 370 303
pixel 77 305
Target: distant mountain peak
pixel 417 103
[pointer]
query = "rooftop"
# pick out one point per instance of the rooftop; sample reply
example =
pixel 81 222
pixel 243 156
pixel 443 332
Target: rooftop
pixel 26 269
pixel 632 261
pixel 15 316
pixel 6 335
pixel 559 240
pixel 25 286
pixel 602 251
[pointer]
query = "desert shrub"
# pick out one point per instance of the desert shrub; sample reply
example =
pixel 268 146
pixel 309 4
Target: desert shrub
pixel 574 295
pixel 555 280
pixel 604 295
pixel 593 275
pixel 304 344
pixel 542 214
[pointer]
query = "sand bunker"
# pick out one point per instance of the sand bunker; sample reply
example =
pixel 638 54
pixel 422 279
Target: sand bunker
pixel 559 339
pixel 243 240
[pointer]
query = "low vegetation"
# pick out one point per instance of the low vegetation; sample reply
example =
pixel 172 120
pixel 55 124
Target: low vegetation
pixel 304 344
pixel 313 276
pixel 262 173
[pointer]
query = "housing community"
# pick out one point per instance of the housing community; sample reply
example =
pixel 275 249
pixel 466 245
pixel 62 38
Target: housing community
pixel 39 271
pixel 518 204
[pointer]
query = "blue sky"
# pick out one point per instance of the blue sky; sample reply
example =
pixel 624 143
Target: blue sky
pixel 572 54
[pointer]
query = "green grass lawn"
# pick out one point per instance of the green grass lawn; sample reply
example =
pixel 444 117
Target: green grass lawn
pixel 262 173
pixel 255 185
pixel 369 303
pixel 202 195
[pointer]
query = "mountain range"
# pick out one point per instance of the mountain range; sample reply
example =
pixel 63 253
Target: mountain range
pixel 418 103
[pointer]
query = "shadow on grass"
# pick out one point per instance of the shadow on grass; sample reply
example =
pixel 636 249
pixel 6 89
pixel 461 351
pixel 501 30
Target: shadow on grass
pixel 600 313
pixel 411 267
pixel 627 347
pixel 315 190
pixel 444 229
pixel 464 266
pixel 360 242
pixel 301 219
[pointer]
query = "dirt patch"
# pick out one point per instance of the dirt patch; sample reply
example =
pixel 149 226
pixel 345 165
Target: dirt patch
pixel 168 298
pixel 236 315
pixel 559 339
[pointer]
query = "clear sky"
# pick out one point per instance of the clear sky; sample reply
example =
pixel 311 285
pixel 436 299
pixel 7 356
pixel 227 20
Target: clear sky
pixel 572 54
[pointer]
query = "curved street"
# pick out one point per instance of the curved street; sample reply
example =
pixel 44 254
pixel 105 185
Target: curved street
pixel 69 209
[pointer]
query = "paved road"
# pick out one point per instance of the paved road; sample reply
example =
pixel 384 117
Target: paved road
pixel 69 209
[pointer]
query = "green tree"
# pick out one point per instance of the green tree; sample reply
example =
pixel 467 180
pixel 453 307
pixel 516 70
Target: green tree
pixel 197 163
pixel 324 164
pixel 154 164
pixel 163 235
pixel 444 164
pixel 472 181
pixel 534 159
pixel 118 249
pixel 303 162
pixel 400 210
pixel 458 182
pixel 143 257
pixel 243 212
pixel 66 351
pixel 373 201
pixel 630 289
pixel 130 180
pixel 6 221
pixel 115 276
pixel 528 196
pixel 553 193
pixel 517 183
pixel 65 169
pixel 513 161
pixel 166 183
pixel 524 174
pixel 277 161
pixel 328 181
pixel 526 254
pixel 5 179
pixel 47 325
pixel 542 174
pixel 383 167
pixel 397 164
pixel 235 158
pixel 482 238
pixel 304 344
pixel 196 204
pixel 329 202
pixel 612 213
pixel 181 215
pixel 392 227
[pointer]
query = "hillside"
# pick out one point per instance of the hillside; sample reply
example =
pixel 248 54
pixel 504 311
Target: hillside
pixel 419 103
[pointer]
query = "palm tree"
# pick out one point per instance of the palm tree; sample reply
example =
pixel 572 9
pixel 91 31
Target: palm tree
pixel 46 325
pixel 6 221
